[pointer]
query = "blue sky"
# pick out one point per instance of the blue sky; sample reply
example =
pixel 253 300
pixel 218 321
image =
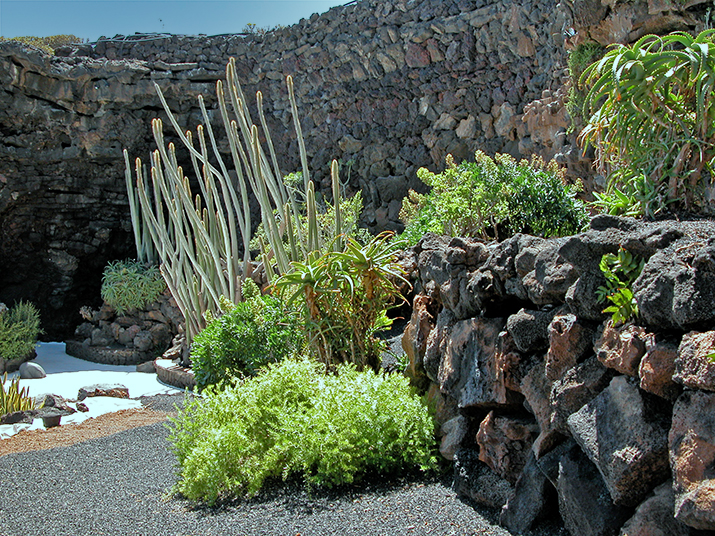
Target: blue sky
pixel 91 19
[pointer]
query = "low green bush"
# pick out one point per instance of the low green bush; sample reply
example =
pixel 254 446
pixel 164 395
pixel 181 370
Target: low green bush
pixel 19 329
pixel 494 198
pixel 48 44
pixel 130 285
pixel 293 420
pixel 249 335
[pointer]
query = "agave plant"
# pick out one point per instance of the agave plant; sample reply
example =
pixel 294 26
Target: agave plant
pixel 14 398
pixel 651 113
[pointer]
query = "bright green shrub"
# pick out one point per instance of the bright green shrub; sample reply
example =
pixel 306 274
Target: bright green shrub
pixel 249 335
pixel 494 199
pixel 291 419
pixel 19 329
pixel 129 285
pixel 651 110
pixel 48 44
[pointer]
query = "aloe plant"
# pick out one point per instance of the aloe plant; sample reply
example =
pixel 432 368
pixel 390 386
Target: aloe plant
pixel 345 296
pixel 202 238
pixel 13 398
pixel 651 110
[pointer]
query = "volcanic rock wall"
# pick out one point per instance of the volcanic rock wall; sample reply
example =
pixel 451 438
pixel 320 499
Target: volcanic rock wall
pixel 387 86
pixel 547 408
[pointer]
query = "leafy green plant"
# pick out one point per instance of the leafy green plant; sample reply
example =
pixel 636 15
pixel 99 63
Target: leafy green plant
pixel 344 296
pixel 131 285
pixel 19 329
pixel 252 333
pixel 577 61
pixel 12 398
pixel 618 291
pixel 490 198
pixel 651 114
pixel 48 44
pixel 291 420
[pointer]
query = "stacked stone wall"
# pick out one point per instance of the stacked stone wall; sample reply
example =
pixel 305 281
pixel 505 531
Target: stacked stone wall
pixel 384 87
pixel 547 407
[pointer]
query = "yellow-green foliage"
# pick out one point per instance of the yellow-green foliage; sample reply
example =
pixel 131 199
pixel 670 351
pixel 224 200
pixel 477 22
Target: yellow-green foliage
pixel 48 44
pixel 129 285
pixel 292 420
pixel 14 399
pixel 19 329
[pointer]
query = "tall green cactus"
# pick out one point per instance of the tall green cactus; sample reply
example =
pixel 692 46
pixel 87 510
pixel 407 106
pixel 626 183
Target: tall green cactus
pixel 202 240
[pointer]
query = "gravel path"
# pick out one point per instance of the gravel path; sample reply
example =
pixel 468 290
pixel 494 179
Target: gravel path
pixel 119 485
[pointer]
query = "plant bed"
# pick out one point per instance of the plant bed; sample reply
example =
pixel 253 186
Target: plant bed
pixel 108 355
pixel 175 375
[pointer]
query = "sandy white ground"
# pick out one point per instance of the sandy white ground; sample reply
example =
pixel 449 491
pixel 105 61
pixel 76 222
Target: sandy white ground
pixel 66 375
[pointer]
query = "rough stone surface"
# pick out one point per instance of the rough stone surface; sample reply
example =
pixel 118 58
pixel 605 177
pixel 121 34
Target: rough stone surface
pixel 536 389
pixel 579 386
pixel 530 329
pixel 654 516
pixel 657 368
pixel 584 503
pixel 56 402
pixel 31 371
pixel 453 433
pixel 692 459
pixel 146 367
pixel 505 444
pixel 625 434
pixel 414 339
pixel 530 500
pixel 621 348
pixel 468 372
pixel 569 341
pixel 475 480
pixel 676 288
pixel 114 390
pixel 693 366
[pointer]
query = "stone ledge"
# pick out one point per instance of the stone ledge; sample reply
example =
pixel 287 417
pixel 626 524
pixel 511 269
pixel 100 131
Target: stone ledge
pixel 106 354
pixel 170 373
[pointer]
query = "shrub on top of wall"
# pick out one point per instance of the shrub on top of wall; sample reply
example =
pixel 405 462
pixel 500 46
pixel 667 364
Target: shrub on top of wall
pixel 494 198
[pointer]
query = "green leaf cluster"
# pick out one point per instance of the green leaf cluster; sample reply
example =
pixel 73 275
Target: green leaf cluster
pixel 651 114
pixel 12 398
pixel 291 420
pixel 493 198
pixel 577 61
pixel 19 329
pixel 249 335
pixel 48 44
pixel 620 271
pixel 131 285
pixel 344 296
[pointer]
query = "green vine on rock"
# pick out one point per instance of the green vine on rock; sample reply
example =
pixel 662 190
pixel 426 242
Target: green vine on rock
pixel 618 291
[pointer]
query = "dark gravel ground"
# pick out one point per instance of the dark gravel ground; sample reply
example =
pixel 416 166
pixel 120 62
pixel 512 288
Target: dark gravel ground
pixel 119 485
